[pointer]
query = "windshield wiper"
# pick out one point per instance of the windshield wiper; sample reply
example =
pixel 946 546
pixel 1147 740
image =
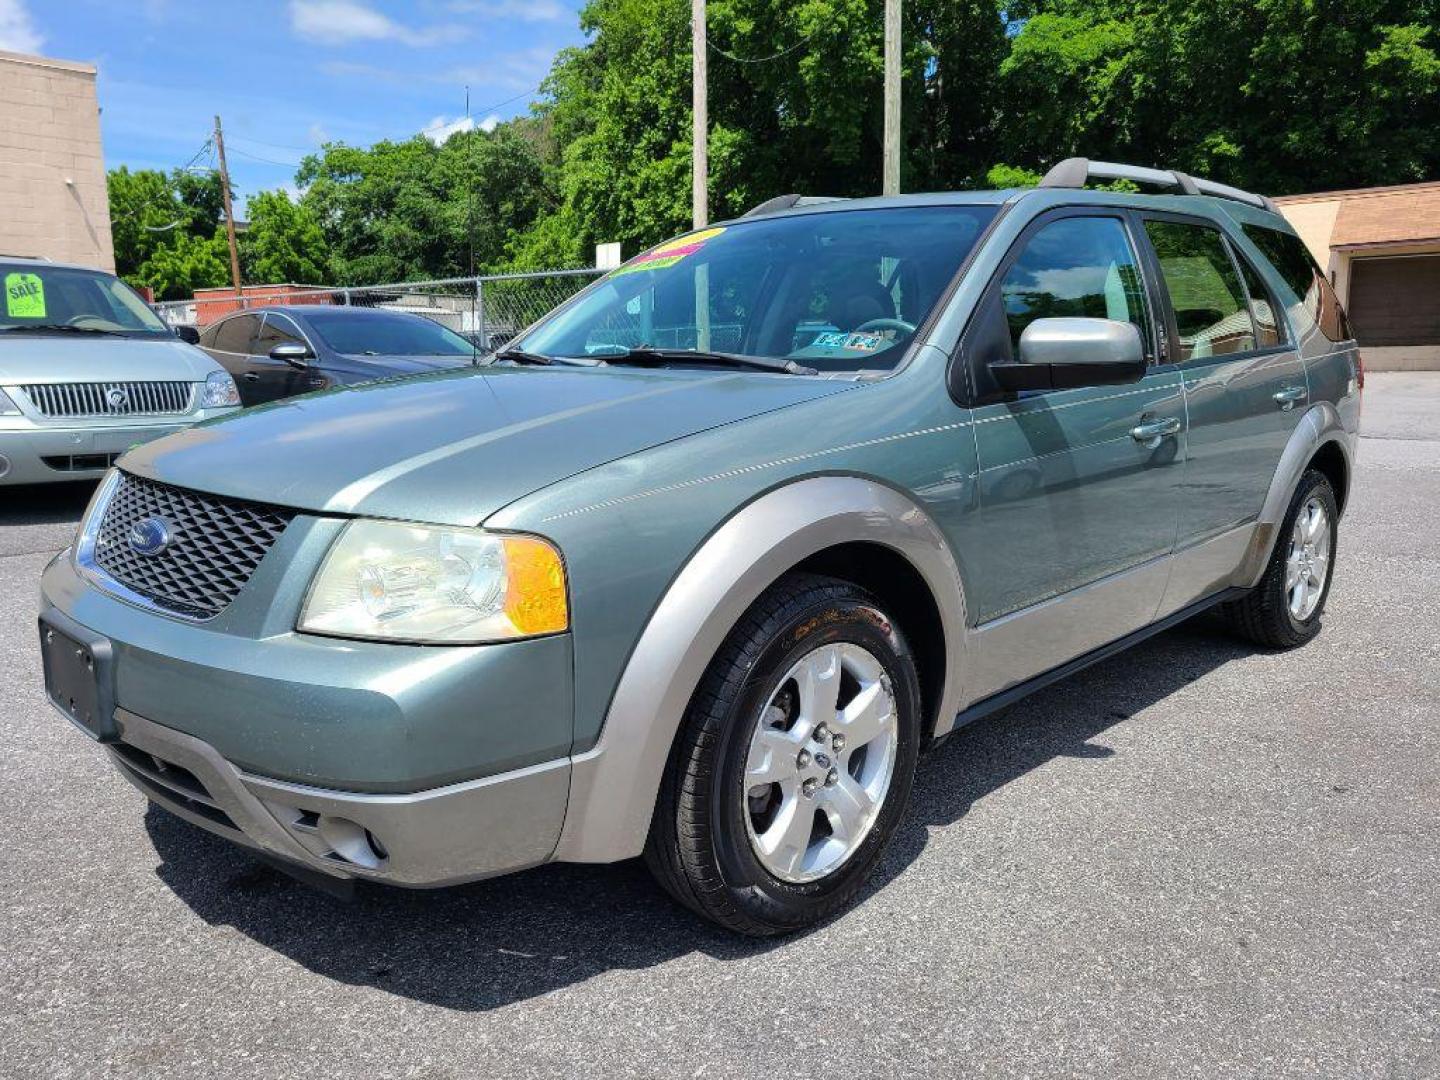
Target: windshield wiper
pixel 649 354
pixel 63 328
pixel 520 356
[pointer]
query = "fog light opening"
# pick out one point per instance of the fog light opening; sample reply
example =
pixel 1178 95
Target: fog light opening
pixel 352 842
pixel 376 846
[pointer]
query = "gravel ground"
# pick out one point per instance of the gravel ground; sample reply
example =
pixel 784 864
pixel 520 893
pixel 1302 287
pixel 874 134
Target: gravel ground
pixel 1192 860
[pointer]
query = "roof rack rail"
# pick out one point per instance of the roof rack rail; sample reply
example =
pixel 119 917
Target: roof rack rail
pixel 787 202
pixel 1076 171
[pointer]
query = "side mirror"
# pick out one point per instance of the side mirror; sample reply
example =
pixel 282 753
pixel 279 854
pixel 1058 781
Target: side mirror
pixel 187 334
pixel 292 353
pixel 1063 353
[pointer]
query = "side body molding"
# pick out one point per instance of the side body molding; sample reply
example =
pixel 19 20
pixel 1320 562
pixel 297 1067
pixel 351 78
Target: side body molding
pixel 1321 424
pixel 613 786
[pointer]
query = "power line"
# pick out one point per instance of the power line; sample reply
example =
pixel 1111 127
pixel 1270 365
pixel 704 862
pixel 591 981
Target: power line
pixel 508 101
pixel 271 145
pixel 206 146
pixel 763 59
pixel 267 161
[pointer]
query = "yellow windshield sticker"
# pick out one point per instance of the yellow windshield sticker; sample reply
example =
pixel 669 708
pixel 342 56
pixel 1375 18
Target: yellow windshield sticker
pixel 24 296
pixel 669 253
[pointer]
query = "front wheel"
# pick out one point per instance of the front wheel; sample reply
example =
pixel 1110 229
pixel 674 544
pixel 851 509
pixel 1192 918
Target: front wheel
pixel 1284 610
pixel 794 763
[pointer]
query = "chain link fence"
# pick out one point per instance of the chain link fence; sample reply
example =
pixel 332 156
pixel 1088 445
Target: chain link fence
pixel 488 310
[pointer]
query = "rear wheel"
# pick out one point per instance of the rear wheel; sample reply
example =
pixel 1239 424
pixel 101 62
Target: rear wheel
pixel 1284 610
pixel 794 763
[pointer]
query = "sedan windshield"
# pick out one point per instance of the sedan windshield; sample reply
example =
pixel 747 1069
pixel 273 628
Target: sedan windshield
pixel 60 299
pixel 843 290
pixel 389 333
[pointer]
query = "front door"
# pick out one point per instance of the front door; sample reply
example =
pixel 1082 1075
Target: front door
pixel 1245 391
pixel 229 344
pixel 1079 489
pixel 273 379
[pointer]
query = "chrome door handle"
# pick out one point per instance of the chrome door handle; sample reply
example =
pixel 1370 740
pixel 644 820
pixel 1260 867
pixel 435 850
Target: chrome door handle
pixel 250 376
pixel 1152 431
pixel 1290 396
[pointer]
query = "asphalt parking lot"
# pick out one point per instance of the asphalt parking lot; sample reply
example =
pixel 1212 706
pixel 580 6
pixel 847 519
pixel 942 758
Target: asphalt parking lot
pixel 1194 859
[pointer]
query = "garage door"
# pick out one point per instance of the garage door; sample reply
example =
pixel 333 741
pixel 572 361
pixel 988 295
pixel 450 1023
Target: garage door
pixel 1396 301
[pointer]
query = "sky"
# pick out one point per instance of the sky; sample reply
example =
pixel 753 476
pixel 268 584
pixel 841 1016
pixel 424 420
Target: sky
pixel 286 76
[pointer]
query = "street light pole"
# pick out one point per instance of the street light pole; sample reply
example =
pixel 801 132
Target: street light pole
pixel 700 141
pixel 890 172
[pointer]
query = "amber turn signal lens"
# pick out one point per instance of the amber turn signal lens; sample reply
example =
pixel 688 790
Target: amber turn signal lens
pixel 535 586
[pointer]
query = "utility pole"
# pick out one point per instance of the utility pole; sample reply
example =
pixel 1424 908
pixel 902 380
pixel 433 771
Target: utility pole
pixel 890 173
pixel 700 139
pixel 229 210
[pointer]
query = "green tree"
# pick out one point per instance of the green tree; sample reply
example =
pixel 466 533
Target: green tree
pixel 409 210
pixel 1278 95
pixel 188 262
pixel 161 225
pixel 794 105
pixel 282 243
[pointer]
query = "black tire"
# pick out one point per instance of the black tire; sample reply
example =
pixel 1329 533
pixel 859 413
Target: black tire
pixel 699 849
pixel 1263 615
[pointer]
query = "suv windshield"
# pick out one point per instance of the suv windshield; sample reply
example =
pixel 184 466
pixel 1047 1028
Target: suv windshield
pixel 834 291
pixel 388 334
pixel 55 299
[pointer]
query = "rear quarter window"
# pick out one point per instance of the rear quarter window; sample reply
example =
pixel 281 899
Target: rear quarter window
pixel 1288 254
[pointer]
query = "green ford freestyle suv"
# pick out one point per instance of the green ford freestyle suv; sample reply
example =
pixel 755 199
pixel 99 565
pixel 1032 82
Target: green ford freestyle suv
pixel 699 565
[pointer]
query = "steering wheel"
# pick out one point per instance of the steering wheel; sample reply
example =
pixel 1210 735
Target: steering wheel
pixel 899 325
pixel 87 319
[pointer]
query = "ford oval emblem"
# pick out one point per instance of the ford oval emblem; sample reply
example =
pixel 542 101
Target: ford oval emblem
pixel 149 536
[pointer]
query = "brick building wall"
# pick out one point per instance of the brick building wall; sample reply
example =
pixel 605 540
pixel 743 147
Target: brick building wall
pixel 53 202
pixel 1381 248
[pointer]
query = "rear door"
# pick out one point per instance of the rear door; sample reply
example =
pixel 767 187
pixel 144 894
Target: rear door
pixel 1245 391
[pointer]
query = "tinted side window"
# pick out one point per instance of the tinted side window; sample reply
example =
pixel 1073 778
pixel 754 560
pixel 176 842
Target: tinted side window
pixel 1212 313
pixel 1291 259
pixel 1077 266
pixel 207 336
pixel 1262 308
pixel 233 335
pixel 278 330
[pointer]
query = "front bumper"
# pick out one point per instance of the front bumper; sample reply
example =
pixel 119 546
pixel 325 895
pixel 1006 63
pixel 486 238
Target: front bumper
pixel 418 766
pixel 429 838
pixel 36 454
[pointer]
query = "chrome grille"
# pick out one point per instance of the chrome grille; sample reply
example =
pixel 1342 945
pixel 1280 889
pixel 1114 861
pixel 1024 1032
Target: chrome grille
pixel 91 399
pixel 214 546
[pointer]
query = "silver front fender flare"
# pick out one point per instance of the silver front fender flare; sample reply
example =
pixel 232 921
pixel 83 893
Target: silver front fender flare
pixel 613 786
pixel 1320 425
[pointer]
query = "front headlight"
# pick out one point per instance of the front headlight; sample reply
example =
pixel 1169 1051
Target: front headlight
pixel 219 391
pixel 431 584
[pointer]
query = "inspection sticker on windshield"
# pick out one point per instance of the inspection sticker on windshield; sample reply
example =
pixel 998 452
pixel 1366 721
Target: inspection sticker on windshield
pixel 670 253
pixel 24 296
pixel 861 342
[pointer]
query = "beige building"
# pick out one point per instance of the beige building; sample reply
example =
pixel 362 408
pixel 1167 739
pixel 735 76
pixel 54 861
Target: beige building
pixel 53 202
pixel 1381 247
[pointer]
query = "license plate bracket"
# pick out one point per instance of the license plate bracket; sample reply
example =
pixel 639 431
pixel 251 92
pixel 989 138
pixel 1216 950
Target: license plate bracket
pixel 79 674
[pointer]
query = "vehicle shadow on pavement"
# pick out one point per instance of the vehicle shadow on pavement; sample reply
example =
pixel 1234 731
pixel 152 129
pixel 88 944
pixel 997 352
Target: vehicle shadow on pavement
pixel 45 504
pixel 493 943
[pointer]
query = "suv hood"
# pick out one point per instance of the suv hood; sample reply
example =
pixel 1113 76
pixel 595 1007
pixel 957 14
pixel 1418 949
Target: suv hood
pixel 453 448
pixel 51 358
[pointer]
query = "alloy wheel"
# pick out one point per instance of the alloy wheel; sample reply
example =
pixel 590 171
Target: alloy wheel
pixel 1307 567
pixel 820 761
